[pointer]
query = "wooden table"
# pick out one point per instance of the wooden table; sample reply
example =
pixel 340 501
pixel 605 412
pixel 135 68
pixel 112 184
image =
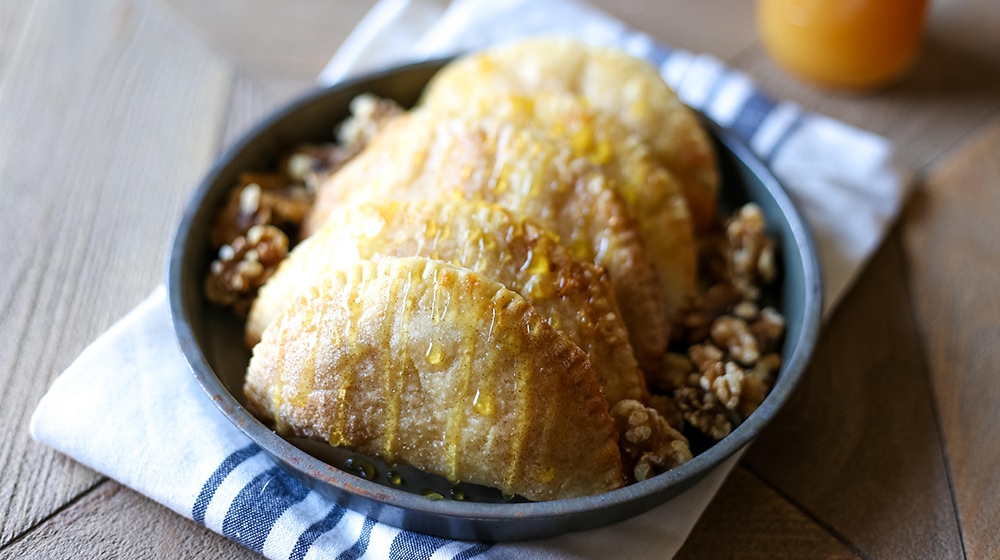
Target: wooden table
pixel 111 110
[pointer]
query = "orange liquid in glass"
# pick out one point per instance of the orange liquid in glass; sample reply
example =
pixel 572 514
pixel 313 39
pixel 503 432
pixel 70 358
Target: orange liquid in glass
pixel 843 43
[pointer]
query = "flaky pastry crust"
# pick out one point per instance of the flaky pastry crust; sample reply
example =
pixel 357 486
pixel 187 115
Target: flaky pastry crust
pixel 653 195
pixel 426 363
pixel 423 155
pixel 625 87
pixel 575 297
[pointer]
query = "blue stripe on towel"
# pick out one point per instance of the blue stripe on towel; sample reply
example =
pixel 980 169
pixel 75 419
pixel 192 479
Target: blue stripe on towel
pixel 228 465
pixel 473 551
pixel 413 546
pixel 258 506
pixel 361 545
pixel 309 536
pixel 657 54
pixel 751 115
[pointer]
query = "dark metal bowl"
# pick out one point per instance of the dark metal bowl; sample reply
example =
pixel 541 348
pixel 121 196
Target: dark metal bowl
pixel 212 340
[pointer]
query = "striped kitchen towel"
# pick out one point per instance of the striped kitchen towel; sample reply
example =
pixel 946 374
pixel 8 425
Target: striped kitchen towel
pixel 129 407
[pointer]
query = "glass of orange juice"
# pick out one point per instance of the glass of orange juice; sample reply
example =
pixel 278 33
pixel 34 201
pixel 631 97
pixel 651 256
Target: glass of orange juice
pixel 843 43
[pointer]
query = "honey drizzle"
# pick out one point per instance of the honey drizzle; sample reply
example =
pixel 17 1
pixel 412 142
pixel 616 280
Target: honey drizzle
pixel 345 378
pixel 439 231
pixel 524 369
pixel 498 182
pixel 307 378
pixel 434 297
pixel 482 402
pixel 382 339
pixel 548 445
pixel 279 385
pixel 444 310
pixel 475 234
pixel 542 168
pixel 457 417
pixel 434 353
pixel 422 239
pixel 394 392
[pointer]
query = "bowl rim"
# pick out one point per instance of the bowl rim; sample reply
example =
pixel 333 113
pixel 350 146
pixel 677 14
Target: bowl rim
pixel 314 468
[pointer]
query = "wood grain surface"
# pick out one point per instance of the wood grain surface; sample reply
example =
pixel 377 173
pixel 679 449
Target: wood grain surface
pixel 115 522
pixel 96 161
pixel 764 523
pixel 857 444
pixel 305 32
pixel 953 252
pixel 110 111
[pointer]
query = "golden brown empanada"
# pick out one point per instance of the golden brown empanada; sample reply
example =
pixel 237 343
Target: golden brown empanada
pixel 625 87
pixel 575 297
pixel 425 363
pixel 423 155
pixel 651 192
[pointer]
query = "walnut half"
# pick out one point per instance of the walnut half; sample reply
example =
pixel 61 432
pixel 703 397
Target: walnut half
pixel 243 266
pixel 648 444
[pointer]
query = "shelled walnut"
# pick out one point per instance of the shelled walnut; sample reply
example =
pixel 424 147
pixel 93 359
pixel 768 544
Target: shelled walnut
pixel 648 443
pixel 243 266
pixel 730 342
pixel 703 411
pixel 260 199
pixel 751 256
pixel 369 115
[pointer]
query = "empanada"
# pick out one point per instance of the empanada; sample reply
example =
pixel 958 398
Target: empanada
pixel 651 192
pixel 422 362
pixel 625 87
pixel 422 155
pixel 573 296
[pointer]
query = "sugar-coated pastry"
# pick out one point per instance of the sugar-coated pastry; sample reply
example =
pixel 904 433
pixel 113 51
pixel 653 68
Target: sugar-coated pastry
pixel 573 296
pixel 423 155
pixel 650 191
pixel 625 87
pixel 425 363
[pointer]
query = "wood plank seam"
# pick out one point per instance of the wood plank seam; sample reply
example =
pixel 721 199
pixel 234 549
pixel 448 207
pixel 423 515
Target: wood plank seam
pixel 69 504
pixel 926 372
pixel 805 511
pixel 953 148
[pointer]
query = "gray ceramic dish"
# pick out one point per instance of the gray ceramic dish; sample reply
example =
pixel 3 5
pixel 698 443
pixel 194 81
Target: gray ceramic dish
pixel 212 340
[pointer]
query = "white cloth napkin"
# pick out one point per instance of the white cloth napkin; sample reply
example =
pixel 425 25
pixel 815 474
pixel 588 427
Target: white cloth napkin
pixel 129 407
